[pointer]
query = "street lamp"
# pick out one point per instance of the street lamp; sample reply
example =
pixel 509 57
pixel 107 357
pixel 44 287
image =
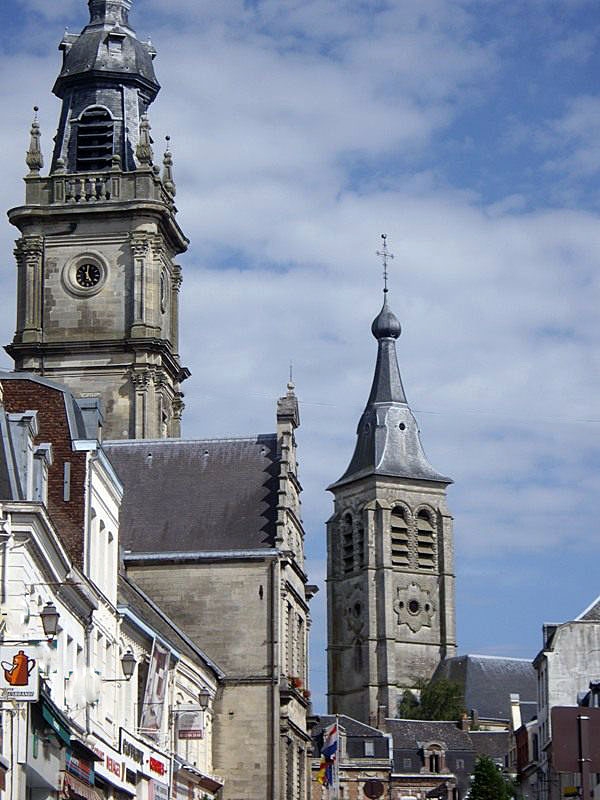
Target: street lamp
pixel 203 698
pixel 128 663
pixel 49 616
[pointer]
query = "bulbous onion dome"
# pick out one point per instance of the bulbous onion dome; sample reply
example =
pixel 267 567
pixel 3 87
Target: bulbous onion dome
pixel 386 324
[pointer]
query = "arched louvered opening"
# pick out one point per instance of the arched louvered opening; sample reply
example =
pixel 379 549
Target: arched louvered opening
pixel 425 541
pixel 399 538
pixel 95 135
pixel 347 544
pixel 360 544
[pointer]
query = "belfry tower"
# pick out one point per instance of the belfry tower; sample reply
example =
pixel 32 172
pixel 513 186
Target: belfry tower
pixel 390 581
pixel 97 282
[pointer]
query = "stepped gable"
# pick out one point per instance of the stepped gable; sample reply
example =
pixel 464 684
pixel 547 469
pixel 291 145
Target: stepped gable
pixel 203 495
pixel 488 682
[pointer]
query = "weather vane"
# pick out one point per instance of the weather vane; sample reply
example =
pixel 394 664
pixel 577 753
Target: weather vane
pixel 384 255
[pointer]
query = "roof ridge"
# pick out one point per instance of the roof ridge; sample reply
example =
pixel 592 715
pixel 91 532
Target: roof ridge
pixel 146 442
pixel 497 658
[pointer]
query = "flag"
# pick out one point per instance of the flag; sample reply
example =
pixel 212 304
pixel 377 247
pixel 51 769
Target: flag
pixel 329 748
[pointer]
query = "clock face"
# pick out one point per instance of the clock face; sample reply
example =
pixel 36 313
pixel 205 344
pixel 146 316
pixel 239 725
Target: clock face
pixel 88 275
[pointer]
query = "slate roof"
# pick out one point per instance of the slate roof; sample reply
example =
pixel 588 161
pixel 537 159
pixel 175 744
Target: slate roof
pixel 494 744
pixel 408 733
pixel 130 596
pixel 388 439
pixel 356 734
pixel 87 54
pixel 203 495
pixel 488 682
pixel 591 613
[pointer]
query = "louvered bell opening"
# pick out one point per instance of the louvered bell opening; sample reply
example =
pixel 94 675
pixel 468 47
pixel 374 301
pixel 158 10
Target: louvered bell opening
pixel 95 137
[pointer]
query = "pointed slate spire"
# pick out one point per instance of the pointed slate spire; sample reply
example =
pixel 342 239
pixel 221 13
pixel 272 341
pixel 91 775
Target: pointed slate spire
pixel 388 440
pixel 34 158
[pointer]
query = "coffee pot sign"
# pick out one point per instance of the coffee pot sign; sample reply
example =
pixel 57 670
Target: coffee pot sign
pixel 18 674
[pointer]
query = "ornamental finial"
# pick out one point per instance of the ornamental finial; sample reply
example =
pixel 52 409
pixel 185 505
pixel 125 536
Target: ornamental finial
pixel 384 255
pixel 34 158
pixel 167 176
pixel 143 150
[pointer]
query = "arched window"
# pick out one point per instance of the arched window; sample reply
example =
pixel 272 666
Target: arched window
pixel 425 541
pixel 95 133
pixel 347 543
pixel 399 538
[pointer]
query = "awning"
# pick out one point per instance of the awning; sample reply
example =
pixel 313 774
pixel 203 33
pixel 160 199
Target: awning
pixel 211 783
pixel 56 719
pixel 74 789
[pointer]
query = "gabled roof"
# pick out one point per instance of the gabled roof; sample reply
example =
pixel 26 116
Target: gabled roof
pixel 488 682
pixel 202 495
pixel 591 613
pixel 494 744
pixel 350 726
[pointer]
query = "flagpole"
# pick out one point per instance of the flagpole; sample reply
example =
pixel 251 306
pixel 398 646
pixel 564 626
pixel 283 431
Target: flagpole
pixel 338 757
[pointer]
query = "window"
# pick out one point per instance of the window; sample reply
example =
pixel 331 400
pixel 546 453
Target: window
pixel 425 541
pixel 460 763
pixel 347 544
pixel 434 762
pixel 399 538
pixel 369 748
pixel 95 133
pixel 407 763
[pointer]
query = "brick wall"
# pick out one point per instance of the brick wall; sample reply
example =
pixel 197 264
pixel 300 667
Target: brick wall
pixel 67 516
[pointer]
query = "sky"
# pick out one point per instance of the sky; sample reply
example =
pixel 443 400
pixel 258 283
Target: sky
pixel 468 131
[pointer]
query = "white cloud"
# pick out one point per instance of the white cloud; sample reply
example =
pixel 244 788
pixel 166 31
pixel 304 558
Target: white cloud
pixel 268 104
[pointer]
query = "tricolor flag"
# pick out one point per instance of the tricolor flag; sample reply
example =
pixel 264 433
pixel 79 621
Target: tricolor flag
pixel 329 749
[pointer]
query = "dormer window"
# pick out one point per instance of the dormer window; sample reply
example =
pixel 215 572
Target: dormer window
pixel 95 135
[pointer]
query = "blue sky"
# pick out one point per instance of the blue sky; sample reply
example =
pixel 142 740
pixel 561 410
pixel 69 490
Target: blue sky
pixel 469 132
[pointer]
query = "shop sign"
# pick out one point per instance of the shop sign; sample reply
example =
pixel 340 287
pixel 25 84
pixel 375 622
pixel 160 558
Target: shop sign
pixel 140 757
pixel 111 765
pixel 80 768
pixel 18 674
pixel 190 722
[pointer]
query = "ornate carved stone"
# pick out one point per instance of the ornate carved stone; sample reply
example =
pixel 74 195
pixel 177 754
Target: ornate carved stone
pixel 414 607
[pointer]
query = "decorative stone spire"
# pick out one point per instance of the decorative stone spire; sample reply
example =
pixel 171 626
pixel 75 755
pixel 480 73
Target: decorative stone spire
pixel 388 441
pixel 167 176
pixel 143 150
pixel 34 158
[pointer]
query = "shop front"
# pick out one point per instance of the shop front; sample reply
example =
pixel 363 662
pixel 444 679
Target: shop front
pixel 112 774
pixel 152 767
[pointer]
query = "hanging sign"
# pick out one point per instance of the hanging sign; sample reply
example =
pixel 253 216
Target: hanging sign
pixel 18 674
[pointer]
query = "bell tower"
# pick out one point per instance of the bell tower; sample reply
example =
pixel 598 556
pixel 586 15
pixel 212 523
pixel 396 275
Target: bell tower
pixel 390 579
pixel 97 279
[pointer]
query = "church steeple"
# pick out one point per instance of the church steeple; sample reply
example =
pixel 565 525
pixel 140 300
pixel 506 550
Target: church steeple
pixel 106 83
pixel 390 581
pixel 388 440
pixel 97 279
